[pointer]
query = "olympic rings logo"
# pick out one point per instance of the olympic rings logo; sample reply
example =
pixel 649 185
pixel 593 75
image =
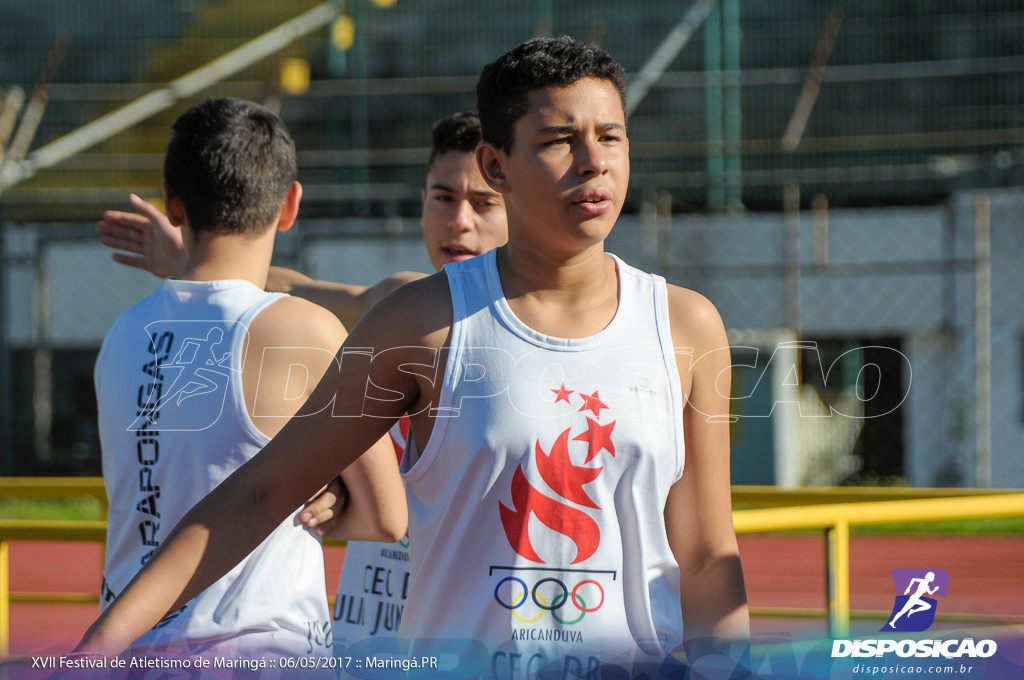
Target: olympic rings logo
pixel 559 595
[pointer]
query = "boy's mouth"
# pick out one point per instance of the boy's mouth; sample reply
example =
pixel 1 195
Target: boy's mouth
pixel 456 253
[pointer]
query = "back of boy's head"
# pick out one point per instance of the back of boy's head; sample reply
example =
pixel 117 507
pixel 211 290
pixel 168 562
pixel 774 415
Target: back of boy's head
pixel 459 132
pixel 504 86
pixel 232 163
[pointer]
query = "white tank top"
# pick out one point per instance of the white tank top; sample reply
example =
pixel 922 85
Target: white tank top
pixel 373 586
pixel 173 425
pixel 536 506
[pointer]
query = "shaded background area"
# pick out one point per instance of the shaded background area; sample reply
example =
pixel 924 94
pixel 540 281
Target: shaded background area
pixel 917 100
pixel 842 176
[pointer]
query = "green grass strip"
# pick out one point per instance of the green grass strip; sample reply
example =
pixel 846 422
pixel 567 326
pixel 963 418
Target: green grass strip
pixel 72 509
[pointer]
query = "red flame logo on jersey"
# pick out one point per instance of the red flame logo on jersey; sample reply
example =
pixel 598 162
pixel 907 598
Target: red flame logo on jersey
pixel 567 480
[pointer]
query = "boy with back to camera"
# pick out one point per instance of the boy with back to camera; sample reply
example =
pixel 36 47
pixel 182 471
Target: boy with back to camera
pixel 194 380
pixel 555 394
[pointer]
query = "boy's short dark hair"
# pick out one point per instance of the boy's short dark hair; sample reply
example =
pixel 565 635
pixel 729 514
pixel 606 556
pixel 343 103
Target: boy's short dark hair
pixel 458 132
pixel 232 163
pixel 504 85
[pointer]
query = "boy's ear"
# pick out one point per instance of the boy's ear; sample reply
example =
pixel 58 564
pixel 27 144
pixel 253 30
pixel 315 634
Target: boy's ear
pixel 290 208
pixel 173 206
pixel 490 160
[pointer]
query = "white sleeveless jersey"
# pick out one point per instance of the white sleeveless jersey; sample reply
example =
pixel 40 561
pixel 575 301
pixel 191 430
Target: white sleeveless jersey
pixel 536 507
pixel 373 585
pixel 173 425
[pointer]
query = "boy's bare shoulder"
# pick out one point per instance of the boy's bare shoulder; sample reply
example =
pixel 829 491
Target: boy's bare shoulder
pixel 419 312
pixel 695 320
pixel 295 322
pixel 404 277
pixel 421 287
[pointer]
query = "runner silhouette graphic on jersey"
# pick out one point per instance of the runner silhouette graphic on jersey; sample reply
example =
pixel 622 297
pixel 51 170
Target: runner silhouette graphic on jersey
pixel 196 370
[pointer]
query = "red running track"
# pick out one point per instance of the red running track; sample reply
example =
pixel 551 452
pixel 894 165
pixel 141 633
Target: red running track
pixel 986 577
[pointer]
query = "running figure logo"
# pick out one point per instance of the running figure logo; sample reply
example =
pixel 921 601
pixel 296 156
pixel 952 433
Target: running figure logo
pixel 914 610
pixel 190 376
pixel 199 370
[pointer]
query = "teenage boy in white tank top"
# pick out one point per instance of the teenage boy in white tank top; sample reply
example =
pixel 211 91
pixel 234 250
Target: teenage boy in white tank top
pixel 555 147
pixel 195 380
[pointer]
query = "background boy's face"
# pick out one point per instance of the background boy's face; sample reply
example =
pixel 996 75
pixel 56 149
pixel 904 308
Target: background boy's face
pixel 462 216
pixel 567 175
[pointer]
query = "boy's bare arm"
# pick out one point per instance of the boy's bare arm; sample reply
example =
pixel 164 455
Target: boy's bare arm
pixel 147 240
pixel 371 507
pixel 284 280
pixel 378 291
pixel 698 514
pixel 293 343
pixel 348 302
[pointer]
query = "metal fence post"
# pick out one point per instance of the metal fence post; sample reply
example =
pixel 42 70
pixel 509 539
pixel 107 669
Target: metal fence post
pixel 837 574
pixel 983 340
pixel 5 601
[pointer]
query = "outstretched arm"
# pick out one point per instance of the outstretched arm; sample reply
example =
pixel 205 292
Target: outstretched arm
pixel 348 302
pixel 361 504
pixel 145 240
pixel 284 280
pixel 294 334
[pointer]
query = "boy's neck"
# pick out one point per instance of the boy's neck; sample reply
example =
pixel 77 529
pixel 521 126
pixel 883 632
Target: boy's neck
pixel 216 257
pixel 568 298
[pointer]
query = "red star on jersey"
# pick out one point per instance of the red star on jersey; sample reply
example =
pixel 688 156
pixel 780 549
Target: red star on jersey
pixel 593 403
pixel 562 394
pixel 599 436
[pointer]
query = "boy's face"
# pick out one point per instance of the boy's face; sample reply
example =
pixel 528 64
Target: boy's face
pixel 462 216
pixel 567 174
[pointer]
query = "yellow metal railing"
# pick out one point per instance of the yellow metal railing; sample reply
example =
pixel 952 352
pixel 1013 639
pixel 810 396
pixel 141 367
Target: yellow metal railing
pixel 837 518
pixel 39 530
pixel 45 530
pixel 833 510
pixel 54 487
pixel 761 496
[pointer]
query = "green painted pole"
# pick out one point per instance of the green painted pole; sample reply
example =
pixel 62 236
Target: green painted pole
pixel 731 111
pixel 713 109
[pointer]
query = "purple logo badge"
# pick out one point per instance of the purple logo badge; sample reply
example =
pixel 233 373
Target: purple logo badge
pixel 914 609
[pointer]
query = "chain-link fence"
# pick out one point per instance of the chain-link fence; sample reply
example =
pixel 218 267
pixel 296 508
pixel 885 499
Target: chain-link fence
pixel 810 167
pixel 902 337
pixel 859 336
pixel 869 103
